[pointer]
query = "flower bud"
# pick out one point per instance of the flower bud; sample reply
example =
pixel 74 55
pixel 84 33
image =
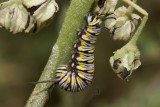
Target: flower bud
pixel 125 61
pixel 42 11
pixel 13 16
pixel 120 24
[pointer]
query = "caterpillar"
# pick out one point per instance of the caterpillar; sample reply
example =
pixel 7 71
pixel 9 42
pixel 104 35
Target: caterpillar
pixel 78 74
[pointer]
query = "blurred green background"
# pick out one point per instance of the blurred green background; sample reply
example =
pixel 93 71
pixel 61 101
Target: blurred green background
pixel 23 57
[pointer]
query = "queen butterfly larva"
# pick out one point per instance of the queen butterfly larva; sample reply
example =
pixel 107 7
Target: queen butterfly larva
pixel 78 74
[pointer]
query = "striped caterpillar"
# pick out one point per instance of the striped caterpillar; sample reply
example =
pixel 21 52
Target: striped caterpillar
pixel 78 74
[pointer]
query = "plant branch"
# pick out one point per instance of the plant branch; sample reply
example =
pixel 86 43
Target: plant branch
pixel 132 4
pixel 61 50
pixel 135 6
pixel 130 8
pixel 139 30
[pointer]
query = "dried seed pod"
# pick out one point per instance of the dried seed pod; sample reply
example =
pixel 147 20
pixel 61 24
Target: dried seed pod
pixel 42 11
pixel 27 15
pixel 104 7
pixel 125 60
pixel 121 25
pixel 15 18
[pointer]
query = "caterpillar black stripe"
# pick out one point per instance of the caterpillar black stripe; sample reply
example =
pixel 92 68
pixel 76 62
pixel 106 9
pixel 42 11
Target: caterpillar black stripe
pixel 78 74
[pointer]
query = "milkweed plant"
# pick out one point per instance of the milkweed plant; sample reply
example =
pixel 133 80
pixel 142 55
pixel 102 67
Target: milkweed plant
pixel 31 16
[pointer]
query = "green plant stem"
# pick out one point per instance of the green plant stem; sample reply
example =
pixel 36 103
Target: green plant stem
pixel 135 6
pixel 130 8
pixel 61 50
pixel 134 39
pixel 132 5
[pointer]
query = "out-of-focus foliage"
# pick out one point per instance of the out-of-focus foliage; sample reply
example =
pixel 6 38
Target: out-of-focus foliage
pixel 23 57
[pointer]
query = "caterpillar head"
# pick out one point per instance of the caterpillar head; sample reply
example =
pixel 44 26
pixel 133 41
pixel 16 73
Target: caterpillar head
pixel 93 20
